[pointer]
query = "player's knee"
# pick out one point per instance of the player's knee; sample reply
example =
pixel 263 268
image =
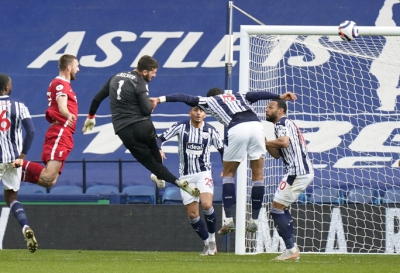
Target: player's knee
pixel 192 214
pixel 206 205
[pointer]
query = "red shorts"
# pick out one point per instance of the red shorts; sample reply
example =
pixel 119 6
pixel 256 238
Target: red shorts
pixel 58 143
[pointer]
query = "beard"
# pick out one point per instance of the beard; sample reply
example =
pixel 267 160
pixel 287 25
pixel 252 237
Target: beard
pixel 73 76
pixel 271 117
pixel 147 78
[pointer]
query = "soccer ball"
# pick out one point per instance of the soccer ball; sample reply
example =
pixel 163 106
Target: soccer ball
pixel 348 30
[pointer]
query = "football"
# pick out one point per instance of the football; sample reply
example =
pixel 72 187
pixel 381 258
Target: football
pixel 348 30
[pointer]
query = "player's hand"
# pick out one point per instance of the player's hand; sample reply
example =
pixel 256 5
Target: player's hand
pixel 288 96
pixel 18 163
pixel 71 120
pixel 162 154
pixel 154 102
pixel 90 122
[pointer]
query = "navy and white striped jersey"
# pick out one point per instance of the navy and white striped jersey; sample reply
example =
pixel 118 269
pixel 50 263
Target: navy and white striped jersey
pixel 12 113
pixel 193 145
pixel 294 156
pixel 224 107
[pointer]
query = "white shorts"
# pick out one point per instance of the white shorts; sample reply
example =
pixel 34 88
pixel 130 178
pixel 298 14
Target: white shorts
pixel 203 181
pixel 10 176
pixel 247 138
pixel 286 194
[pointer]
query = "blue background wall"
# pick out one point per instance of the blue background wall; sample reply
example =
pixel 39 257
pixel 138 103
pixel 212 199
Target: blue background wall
pixel 29 29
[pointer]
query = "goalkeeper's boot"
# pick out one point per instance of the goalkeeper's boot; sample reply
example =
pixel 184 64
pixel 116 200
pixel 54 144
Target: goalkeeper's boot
pixel 229 226
pixel 184 185
pixel 159 182
pixel 289 255
pixel 212 248
pixel 205 250
pixel 30 239
pixel 252 226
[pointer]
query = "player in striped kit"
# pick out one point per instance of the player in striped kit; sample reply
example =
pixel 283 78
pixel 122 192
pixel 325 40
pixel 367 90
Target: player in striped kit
pixel 13 116
pixel 245 136
pixel 195 138
pixel 291 147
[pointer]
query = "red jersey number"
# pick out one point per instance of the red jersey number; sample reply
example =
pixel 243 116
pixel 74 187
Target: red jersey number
pixel 228 97
pixel 5 123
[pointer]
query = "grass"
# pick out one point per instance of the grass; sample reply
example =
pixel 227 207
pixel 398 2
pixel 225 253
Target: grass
pixel 59 261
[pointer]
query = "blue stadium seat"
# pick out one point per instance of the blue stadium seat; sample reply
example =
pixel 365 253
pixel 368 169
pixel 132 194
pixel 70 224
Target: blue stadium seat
pixel 172 195
pixel 64 190
pixel 109 191
pixel 30 189
pixel 326 196
pixel 217 198
pixel 303 198
pixel 102 190
pixel 139 194
pixel 362 195
pixel 391 196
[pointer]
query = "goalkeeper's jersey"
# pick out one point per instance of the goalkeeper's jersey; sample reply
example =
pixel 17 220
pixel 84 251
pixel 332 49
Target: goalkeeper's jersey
pixel 129 99
pixel 194 146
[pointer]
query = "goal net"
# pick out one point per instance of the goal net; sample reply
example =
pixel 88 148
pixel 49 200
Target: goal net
pixel 347 111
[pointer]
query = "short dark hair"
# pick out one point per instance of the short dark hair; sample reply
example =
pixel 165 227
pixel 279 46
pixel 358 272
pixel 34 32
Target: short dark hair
pixel 65 60
pixel 4 81
pixel 214 91
pixel 147 63
pixel 281 104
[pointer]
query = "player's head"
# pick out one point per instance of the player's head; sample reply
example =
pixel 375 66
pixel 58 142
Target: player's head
pixel 5 84
pixel 275 110
pixel 147 67
pixel 214 92
pixel 197 115
pixel 69 64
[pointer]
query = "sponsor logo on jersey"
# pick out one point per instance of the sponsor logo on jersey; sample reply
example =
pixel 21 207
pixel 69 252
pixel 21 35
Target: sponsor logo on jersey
pixel 194 148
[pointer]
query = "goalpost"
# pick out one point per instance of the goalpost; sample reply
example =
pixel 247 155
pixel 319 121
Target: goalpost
pixel 346 109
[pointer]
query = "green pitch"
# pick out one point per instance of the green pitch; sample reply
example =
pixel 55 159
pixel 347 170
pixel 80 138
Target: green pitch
pixel 75 261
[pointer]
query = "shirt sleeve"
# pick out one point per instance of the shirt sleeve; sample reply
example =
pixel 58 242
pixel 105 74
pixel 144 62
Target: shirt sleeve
pixel 169 133
pixel 143 97
pixel 99 97
pixel 256 96
pixel 29 134
pixel 185 98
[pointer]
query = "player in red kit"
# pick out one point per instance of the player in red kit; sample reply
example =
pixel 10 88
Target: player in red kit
pixel 61 114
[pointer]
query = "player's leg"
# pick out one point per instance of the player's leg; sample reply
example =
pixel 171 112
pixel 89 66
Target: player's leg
pixel 287 192
pixel 49 175
pixel 256 152
pixel 257 192
pixel 11 182
pixel 141 151
pixel 205 183
pixel 228 196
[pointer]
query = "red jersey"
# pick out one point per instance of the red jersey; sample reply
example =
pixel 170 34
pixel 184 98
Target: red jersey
pixel 60 86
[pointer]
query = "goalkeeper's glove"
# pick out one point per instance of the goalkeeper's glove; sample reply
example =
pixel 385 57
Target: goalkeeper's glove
pixel 90 122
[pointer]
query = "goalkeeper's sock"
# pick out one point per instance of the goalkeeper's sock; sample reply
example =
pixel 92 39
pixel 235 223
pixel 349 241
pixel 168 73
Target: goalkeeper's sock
pixel 31 171
pixel 282 224
pixel 290 220
pixel 199 227
pixel 19 213
pixel 228 195
pixel 257 195
pixel 211 220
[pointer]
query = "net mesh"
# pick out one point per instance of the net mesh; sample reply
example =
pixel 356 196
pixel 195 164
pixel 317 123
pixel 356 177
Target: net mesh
pixel 346 110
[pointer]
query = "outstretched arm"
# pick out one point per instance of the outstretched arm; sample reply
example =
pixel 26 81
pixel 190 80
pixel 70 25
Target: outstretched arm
pixel 90 121
pixel 179 97
pixel 256 96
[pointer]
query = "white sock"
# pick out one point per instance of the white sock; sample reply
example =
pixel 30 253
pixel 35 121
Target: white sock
pixel 211 237
pixel 206 242
pixel 23 229
pixel 293 250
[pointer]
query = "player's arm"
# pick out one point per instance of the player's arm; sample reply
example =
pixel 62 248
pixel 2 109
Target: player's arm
pixel 27 142
pixel 171 132
pixel 90 121
pixel 179 97
pixel 144 101
pixel 62 102
pixel 256 96
pixel 218 143
pixel 272 146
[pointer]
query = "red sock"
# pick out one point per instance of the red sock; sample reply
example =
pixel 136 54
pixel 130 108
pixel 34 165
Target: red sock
pixel 31 171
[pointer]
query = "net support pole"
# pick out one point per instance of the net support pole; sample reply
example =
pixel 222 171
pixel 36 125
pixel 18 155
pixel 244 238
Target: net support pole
pixel 241 177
